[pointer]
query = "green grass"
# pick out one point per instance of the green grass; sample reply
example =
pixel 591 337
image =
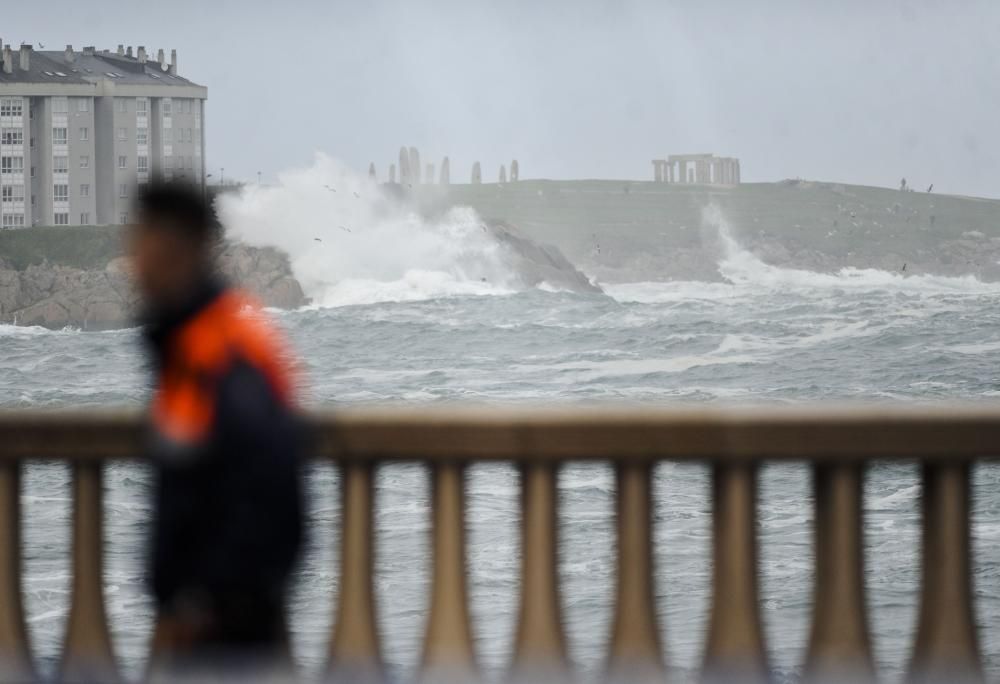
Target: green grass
pixel 86 247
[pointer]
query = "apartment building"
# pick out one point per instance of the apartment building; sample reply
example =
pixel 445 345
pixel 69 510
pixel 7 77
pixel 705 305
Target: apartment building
pixel 80 131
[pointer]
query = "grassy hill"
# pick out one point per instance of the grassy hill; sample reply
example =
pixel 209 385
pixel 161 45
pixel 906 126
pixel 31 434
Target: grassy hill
pixel 86 247
pixel 609 227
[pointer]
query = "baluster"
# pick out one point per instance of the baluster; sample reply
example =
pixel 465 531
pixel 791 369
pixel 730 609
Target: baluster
pixel 946 642
pixel 448 649
pixel 735 638
pixel 540 647
pixel 839 646
pixel 15 653
pixel 87 653
pixel 354 650
pixel 635 639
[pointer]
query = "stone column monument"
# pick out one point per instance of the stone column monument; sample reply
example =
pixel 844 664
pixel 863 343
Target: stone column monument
pixel 392 173
pixel 503 173
pixel 371 171
pixel 477 174
pixel 445 172
pixel 404 166
pixel 415 166
pixel 515 172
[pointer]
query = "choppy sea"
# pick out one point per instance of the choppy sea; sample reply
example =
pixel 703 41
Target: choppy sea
pixel 417 324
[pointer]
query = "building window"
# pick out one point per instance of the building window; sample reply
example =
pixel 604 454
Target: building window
pixel 122 105
pixel 85 190
pixel 60 164
pixel 84 134
pixel 13 193
pixel 12 165
pixel 168 135
pixel 11 106
pixel 142 136
pixel 13 220
pixel 166 107
pixel 84 161
pixel 141 105
pixel 123 190
pixel 60 192
pixel 60 105
pixel 82 105
pixel 123 133
pixel 61 218
pixel 32 142
pixel 168 162
pixel 142 164
pixel 84 218
pixel 59 136
pixel 122 162
pixel 13 136
pixel 123 219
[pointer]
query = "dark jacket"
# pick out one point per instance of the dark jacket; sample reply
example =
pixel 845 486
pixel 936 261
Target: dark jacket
pixel 227 448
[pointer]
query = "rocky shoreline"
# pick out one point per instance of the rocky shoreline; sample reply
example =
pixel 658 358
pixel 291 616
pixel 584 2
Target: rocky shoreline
pixel 56 296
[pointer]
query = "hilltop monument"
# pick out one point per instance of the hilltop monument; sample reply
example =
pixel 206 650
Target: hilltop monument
pixel 392 173
pixel 477 174
pixel 702 169
pixel 371 171
pixel 515 172
pixel 404 166
pixel 445 172
pixel 414 166
pixel 503 174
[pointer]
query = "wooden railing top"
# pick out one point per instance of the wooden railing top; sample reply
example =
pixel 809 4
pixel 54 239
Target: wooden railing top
pixel 623 433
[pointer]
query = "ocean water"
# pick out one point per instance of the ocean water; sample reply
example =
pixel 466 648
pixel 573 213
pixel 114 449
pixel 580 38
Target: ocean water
pixel 429 330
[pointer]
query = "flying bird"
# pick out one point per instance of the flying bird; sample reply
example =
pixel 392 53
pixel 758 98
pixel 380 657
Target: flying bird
pixel 317 240
pixel 930 188
pixel 330 189
pixel 904 268
pixel 42 47
pixel 357 194
pixel 344 228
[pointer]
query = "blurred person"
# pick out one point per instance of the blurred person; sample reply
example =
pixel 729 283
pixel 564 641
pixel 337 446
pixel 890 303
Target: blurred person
pixel 226 445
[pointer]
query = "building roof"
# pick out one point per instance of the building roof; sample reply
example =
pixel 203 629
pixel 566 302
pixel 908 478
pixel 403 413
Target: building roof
pixel 47 65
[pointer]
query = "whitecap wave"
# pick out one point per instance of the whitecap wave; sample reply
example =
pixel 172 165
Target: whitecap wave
pixel 350 242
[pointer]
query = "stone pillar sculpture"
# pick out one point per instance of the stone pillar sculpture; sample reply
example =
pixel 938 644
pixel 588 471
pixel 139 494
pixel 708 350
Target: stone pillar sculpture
pixel 515 172
pixel 503 173
pixel 657 171
pixel 371 171
pixel 477 174
pixel 415 165
pixel 404 166
pixel 392 173
pixel 737 179
pixel 429 174
pixel 445 172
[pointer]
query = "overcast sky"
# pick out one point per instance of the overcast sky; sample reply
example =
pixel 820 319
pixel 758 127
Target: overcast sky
pixel 853 91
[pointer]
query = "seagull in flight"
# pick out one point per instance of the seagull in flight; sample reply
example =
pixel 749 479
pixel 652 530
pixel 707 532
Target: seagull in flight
pixel 317 240
pixel 330 189
pixel 344 228
pixel 357 194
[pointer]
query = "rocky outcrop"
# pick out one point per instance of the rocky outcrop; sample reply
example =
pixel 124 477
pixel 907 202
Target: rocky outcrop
pixel 56 296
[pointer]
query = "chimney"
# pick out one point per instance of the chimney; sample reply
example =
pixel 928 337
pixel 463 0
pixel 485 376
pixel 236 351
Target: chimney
pixel 128 52
pixel 8 60
pixel 69 55
pixel 173 62
pixel 89 51
pixel 161 59
pixel 121 50
pixel 25 57
pixel 141 54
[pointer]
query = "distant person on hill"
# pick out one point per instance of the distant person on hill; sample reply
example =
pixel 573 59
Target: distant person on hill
pixel 226 445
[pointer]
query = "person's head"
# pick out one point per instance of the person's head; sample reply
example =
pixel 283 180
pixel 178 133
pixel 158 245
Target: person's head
pixel 171 245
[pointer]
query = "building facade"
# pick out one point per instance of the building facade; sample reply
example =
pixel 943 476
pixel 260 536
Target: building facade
pixel 80 131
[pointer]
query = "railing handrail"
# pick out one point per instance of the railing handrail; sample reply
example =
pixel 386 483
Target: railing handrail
pixel 446 433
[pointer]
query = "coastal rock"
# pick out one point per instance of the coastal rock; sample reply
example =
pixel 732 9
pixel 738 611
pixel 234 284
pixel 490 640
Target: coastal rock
pixel 56 296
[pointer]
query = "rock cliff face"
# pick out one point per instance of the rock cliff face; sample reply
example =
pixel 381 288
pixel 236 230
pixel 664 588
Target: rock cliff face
pixel 56 296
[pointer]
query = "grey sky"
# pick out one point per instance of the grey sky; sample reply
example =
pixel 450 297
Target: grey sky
pixel 853 91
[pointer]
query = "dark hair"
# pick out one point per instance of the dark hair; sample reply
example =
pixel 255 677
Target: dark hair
pixel 181 207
